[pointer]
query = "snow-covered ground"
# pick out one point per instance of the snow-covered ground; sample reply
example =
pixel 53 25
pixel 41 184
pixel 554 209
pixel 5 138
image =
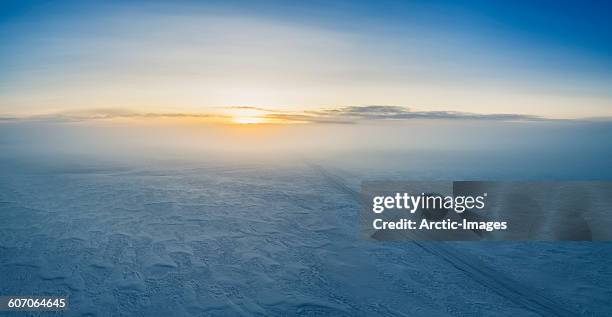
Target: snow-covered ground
pixel 225 239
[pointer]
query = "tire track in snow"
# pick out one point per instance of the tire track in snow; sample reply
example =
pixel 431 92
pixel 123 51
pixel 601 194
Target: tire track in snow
pixel 494 280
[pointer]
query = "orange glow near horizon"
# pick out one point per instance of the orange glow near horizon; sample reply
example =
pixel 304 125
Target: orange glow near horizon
pixel 248 120
pixel 246 115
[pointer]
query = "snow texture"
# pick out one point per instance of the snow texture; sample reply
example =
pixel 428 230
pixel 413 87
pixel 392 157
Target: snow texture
pixel 228 239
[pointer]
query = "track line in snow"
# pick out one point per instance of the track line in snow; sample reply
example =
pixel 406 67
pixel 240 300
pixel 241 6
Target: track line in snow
pixel 494 280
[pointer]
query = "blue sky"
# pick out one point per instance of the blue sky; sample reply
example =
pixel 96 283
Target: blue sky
pixel 542 58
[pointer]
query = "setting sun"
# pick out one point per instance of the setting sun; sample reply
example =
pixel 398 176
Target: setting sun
pixel 248 120
pixel 246 115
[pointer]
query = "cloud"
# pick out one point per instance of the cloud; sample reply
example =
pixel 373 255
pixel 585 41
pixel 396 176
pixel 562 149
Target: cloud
pixel 105 114
pixel 250 108
pixel 306 118
pixel 113 113
pixel 7 119
pixel 354 114
pixel 340 115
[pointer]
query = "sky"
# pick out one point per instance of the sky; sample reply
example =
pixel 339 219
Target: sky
pixel 306 61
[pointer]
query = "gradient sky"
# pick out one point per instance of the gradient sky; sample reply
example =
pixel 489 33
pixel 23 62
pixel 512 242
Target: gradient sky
pixel 545 58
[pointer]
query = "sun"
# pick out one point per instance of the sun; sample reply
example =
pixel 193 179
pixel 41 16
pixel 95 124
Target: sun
pixel 248 120
pixel 247 115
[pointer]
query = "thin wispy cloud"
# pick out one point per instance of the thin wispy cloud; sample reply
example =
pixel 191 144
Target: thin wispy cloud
pixel 105 114
pixel 123 113
pixel 339 115
pixel 370 113
pixel 250 108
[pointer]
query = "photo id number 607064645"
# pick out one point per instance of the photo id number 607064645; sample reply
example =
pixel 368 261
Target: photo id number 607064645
pixel 33 303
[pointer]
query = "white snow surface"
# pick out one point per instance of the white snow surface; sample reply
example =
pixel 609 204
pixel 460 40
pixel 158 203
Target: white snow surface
pixel 229 239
